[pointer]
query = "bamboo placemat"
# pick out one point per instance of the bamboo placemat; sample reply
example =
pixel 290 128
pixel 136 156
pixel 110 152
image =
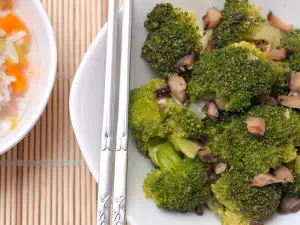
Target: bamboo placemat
pixel 44 180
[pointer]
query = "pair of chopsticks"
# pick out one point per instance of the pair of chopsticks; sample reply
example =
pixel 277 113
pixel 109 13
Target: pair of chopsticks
pixel 113 156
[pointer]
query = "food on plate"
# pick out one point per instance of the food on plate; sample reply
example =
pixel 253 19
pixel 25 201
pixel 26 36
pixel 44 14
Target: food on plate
pixel 221 124
pixel 15 44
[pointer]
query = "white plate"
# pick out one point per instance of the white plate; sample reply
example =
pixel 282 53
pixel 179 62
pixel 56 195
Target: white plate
pixel 86 103
pixel 44 61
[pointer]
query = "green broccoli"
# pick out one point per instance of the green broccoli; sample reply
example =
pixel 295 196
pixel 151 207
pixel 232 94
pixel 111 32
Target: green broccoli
pixel 172 35
pixel 179 184
pixel 251 156
pixel 145 117
pixel 239 19
pixel 293 40
pixel 233 191
pixel 238 74
pixel 183 123
pixel 293 189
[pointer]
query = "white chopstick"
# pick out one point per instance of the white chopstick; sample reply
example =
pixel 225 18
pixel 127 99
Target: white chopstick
pixel 120 176
pixel 107 154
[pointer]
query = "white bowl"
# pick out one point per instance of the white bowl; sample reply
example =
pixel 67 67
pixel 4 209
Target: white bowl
pixel 86 104
pixel 45 60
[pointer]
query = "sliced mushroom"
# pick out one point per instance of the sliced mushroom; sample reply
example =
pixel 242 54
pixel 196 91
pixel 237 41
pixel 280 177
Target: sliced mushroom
pixel 199 211
pixel 256 126
pixel 220 167
pixel 207 156
pixel 185 63
pixel 294 81
pixel 6 4
pixel 290 101
pixel 289 205
pixel 162 93
pixel 178 87
pixel 219 103
pixel 293 93
pixel 263 179
pixel 276 22
pixel 266 99
pixel 212 111
pixel 283 174
pixel 280 55
pixel 212 18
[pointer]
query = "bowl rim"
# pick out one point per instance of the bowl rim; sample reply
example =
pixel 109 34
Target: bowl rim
pixel 31 122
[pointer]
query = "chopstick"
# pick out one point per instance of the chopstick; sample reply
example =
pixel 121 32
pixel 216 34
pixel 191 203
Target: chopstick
pixel 107 154
pixel 120 176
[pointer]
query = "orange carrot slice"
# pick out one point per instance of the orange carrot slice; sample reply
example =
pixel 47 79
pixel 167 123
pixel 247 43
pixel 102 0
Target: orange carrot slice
pixel 19 72
pixel 11 23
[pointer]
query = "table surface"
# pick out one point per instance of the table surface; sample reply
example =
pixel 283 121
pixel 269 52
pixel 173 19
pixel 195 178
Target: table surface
pixel 44 180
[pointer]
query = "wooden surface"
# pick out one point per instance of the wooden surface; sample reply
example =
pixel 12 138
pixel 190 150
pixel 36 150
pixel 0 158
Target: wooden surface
pixel 44 180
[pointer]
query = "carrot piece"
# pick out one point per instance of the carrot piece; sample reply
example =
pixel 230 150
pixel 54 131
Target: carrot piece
pixel 19 72
pixel 11 23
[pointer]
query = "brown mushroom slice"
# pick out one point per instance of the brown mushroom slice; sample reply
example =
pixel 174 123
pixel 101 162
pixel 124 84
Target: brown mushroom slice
pixel 162 93
pixel 207 156
pixel 289 205
pixel 276 22
pixel 212 18
pixel 266 99
pixel 256 126
pixel 284 175
pixel 294 81
pixel 6 4
pixel 185 63
pixel 290 101
pixel 263 179
pixel 220 167
pixel 199 211
pixel 178 87
pixel 212 111
pixel 219 103
pixel 280 55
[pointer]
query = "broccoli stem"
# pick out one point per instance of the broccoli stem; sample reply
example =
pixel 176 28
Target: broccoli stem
pixel 187 147
pixel 165 156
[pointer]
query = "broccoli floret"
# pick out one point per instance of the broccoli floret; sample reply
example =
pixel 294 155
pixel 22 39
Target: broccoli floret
pixel 293 40
pixel 237 196
pixel 237 74
pixel 293 189
pixel 183 123
pixel 283 124
pixel 172 35
pixel 145 118
pixel 179 184
pixel 250 156
pixel 239 19
pixel 227 217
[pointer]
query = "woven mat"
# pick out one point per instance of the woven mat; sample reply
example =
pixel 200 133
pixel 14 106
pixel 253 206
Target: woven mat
pixel 44 180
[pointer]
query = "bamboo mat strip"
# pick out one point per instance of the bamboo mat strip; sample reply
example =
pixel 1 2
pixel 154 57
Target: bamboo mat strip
pixel 44 179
